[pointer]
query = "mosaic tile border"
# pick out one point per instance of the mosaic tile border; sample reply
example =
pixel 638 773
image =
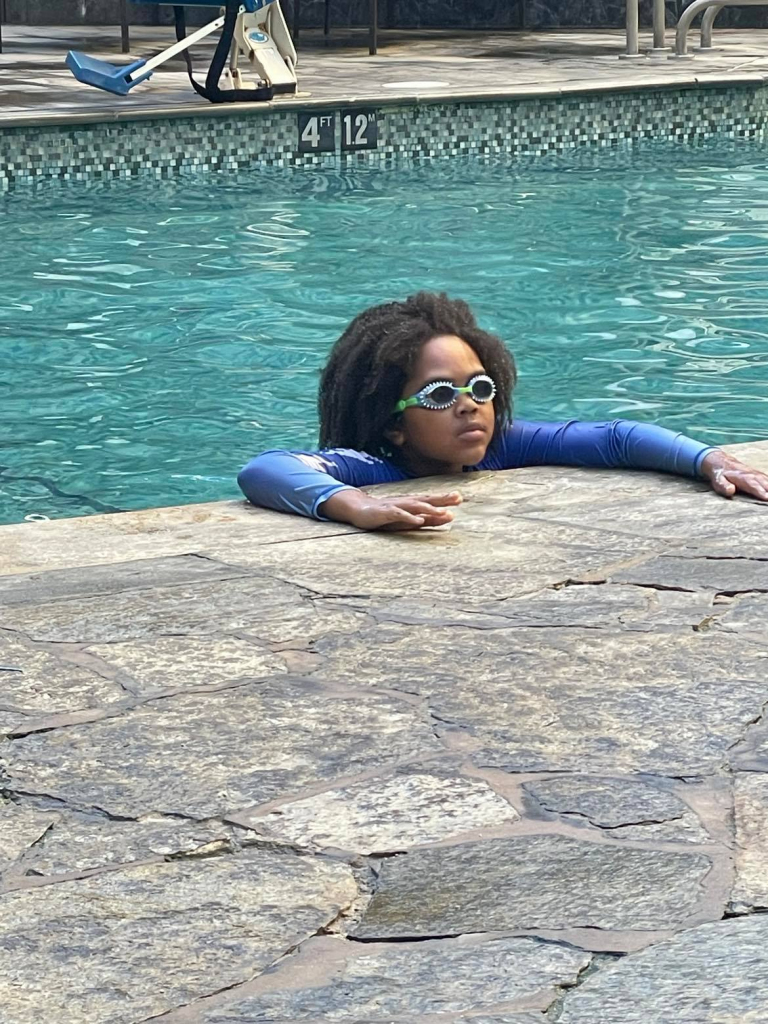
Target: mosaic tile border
pixel 407 134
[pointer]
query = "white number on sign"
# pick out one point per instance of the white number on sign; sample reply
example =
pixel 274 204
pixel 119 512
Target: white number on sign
pixel 361 124
pixel 311 133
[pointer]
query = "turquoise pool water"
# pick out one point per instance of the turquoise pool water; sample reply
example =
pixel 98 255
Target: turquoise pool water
pixel 154 336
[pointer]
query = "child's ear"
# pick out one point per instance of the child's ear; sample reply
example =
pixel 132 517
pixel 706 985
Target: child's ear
pixel 396 436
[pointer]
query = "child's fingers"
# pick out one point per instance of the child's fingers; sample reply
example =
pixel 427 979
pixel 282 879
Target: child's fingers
pixel 722 484
pixel 399 516
pixel 424 508
pixel 750 483
pixel 454 498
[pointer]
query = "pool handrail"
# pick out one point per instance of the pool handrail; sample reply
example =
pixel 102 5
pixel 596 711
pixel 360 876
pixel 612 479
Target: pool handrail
pixel 707 24
pixel 690 12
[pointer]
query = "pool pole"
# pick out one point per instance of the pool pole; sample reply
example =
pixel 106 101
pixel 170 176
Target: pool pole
pixel 707 24
pixel 632 51
pixel 659 26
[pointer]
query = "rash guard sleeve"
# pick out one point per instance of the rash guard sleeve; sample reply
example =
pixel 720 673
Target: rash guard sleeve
pixel 301 481
pixel 609 445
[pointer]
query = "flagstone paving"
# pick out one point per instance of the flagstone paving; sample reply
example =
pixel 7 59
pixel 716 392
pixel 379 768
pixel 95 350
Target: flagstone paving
pixel 256 768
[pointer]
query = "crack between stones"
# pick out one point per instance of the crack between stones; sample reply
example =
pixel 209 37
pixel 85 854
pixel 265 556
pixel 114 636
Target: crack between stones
pixel 705 590
pixel 756 721
pixel 274 965
pixel 393 940
pixel 132 703
pixel 18 632
pixel 729 913
pixel 47 801
pixel 60 802
pixel 224 847
pixel 555 1008
pixel 611 828
pixel 728 558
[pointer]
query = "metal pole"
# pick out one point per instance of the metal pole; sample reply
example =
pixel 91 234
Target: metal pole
pixel 633 29
pixel 125 41
pixel 707 24
pixel 659 24
pixel 373 28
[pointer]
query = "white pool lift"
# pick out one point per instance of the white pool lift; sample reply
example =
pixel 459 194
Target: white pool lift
pixel 250 29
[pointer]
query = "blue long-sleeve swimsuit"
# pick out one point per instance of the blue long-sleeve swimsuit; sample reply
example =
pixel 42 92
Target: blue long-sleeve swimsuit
pixel 299 481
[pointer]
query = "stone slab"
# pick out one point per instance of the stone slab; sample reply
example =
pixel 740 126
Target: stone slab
pixel 223 526
pixel 713 974
pixel 203 755
pixel 744 536
pixel 303 623
pixel 11 721
pixel 204 607
pixel 183 663
pixel 722 575
pixel 130 944
pixel 411 981
pixel 747 615
pixel 750 811
pixel 531 883
pixel 608 606
pixel 20 827
pixel 569 699
pixel 533 555
pixel 47 684
pixel 105 580
pixel 678 513
pixel 751 753
pixel 412 807
pixel 627 808
pixel 85 843
pixel 672 611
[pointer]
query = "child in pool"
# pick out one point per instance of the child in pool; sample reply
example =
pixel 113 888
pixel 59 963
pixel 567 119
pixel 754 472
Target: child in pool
pixel 416 388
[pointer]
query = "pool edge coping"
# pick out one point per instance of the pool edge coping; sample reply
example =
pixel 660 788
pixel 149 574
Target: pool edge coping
pixel 538 92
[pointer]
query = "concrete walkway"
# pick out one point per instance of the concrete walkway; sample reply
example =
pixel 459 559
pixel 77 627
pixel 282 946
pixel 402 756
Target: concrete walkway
pixel 258 768
pixel 35 87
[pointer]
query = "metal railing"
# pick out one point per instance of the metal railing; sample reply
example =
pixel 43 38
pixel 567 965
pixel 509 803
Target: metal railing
pixel 711 9
pixel 633 27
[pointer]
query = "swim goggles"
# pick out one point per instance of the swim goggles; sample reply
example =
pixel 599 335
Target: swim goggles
pixel 441 394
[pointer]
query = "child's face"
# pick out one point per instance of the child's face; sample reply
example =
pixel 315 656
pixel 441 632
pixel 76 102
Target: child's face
pixel 434 441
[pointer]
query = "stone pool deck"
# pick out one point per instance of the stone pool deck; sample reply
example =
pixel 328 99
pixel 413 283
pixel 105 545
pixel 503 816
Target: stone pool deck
pixel 36 88
pixel 261 769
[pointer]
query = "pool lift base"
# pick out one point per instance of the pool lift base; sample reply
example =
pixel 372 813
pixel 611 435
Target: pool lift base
pixel 255 29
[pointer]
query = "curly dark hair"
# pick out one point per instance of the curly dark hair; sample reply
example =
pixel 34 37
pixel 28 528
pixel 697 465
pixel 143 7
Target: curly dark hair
pixel 369 364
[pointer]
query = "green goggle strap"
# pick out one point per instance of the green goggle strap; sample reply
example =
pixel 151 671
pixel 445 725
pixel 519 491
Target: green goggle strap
pixel 405 403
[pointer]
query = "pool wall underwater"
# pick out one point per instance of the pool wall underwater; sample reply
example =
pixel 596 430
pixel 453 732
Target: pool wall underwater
pixel 394 135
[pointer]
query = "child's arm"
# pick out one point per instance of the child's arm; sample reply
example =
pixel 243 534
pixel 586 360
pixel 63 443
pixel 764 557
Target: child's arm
pixel 325 485
pixel 292 481
pixel 625 444
pixel 610 445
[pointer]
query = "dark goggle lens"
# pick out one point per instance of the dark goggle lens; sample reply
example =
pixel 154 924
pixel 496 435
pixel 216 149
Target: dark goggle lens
pixel 482 390
pixel 442 395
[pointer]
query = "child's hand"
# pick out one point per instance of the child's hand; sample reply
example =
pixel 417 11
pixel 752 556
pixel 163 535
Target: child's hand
pixel 397 512
pixel 727 476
